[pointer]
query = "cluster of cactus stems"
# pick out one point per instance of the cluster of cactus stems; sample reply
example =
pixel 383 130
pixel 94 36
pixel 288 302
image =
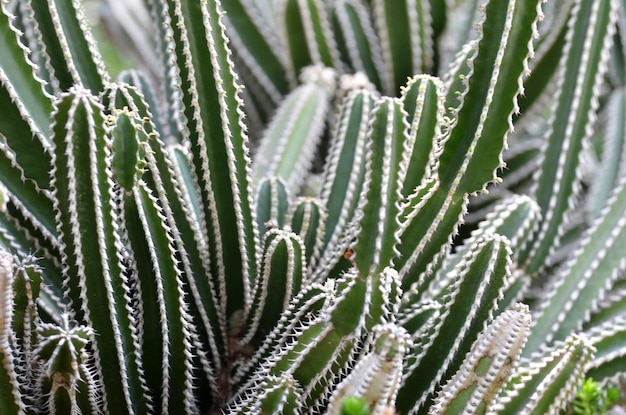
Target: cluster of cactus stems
pixel 420 204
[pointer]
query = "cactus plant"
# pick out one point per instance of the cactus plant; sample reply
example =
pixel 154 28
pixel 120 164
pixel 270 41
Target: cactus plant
pixel 348 206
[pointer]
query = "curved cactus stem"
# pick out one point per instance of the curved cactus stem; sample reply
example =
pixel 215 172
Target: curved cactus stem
pixel 304 29
pixel 584 281
pixel 67 380
pixel 272 204
pixel 358 42
pixel 483 92
pixel 613 156
pixel 21 84
pixel 307 304
pixel 307 218
pixel 24 126
pixel 290 142
pixel 314 358
pixel 282 272
pixel 26 194
pixel 67 40
pixel 31 204
pixel 385 172
pixel 340 189
pixel 406 37
pixel 429 219
pixel 423 100
pixel 376 376
pixel 609 340
pixel 31 37
pixel 487 367
pixel 319 346
pixel 474 290
pixel 208 91
pixel 516 218
pixel 11 400
pixel 545 383
pixel 254 35
pixel 273 395
pixel 583 65
pixel 86 205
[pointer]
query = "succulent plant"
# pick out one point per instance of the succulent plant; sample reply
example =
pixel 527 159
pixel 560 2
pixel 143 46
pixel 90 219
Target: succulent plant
pixel 348 206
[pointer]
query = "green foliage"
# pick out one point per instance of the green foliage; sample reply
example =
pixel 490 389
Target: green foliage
pixel 354 406
pixel 591 398
pixel 311 206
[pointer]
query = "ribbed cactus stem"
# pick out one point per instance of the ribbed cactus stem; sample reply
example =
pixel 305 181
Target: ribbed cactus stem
pixel 515 218
pixel 88 211
pixel 340 190
pixel 474 289
pixel 582 66
pixel 366 301
pixel 548 380
pixel 272 204
pixel 127 145
pixel 582 286
pixel 607 338
pixel 185 265
pixel 306 29
pixel 326 341
pixel 385 172
pixel 487 367
pixel 290 142
pixel 272 395
pixel 6 296
pixel 11 399
pixel 69 46
pixel 68 382
pixel 308 217
pixel 491 85
pixel 376 376
pixel 30 101
pixel 174 322
pixel 359 43
pixel 282 274
pixel 254 38
pixel 404 29
pixel 207 89
pixel 308 304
